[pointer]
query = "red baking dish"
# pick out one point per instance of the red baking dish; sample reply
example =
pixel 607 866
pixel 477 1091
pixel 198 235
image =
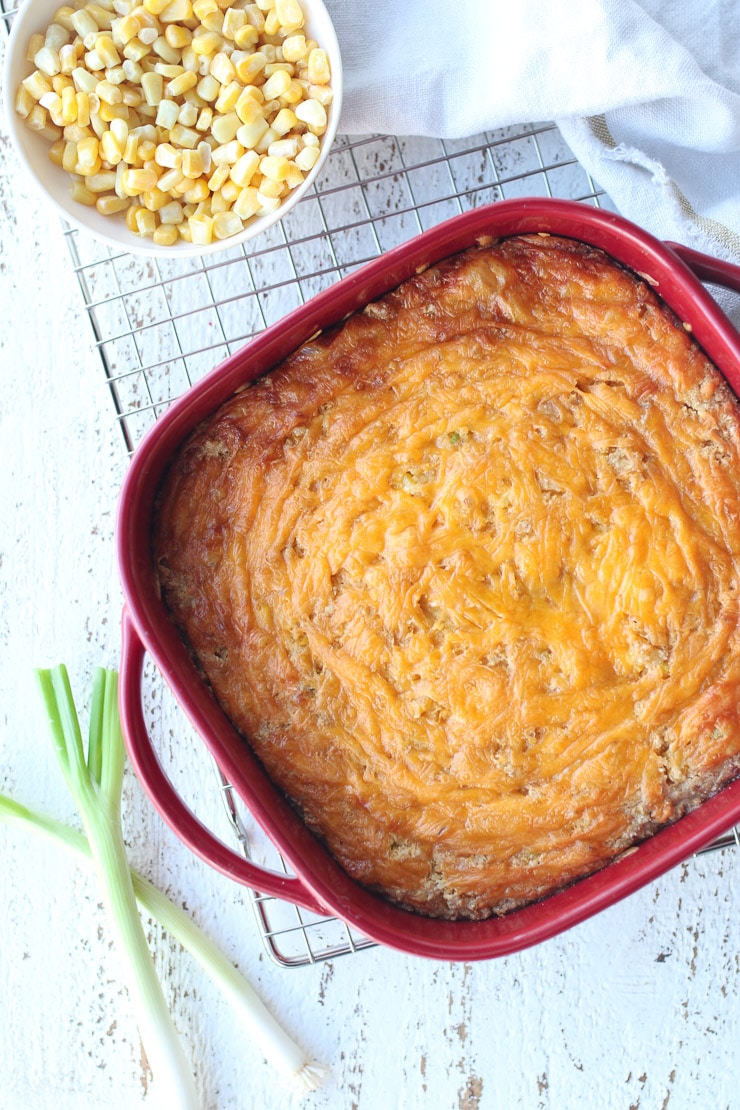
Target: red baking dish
pixel 318 883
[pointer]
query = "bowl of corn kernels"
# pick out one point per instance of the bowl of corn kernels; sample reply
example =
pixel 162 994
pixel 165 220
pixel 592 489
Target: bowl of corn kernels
pixel 173 127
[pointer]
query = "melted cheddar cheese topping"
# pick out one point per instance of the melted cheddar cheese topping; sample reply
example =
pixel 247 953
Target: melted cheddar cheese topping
pixel 464 571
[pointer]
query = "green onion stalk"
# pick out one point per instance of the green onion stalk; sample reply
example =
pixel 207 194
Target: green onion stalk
pixel 95 780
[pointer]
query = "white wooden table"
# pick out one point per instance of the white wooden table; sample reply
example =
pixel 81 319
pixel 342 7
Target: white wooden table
pixel 637 1008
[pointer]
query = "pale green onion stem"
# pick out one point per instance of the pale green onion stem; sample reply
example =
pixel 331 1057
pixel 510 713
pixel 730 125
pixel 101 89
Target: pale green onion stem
pixel 106 757
pixel 273 1041
pixel 97 792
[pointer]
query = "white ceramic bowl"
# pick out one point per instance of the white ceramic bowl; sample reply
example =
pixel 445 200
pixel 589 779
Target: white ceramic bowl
pixel 53 182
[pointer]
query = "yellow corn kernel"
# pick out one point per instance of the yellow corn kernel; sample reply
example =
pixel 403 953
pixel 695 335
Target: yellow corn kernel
pixel 250 134
pixel 167 113
pixel 247 204
pixel 229 152
pixel 106 51
pixel 56 36
pixel 137 181
pixel 277 85
pixel 36 85
pixel 247 107
pixel 313 115
pixel 245 168
pixel 294 176
pixel 222 68
pixel 219 203
pixel 224 128
pixel 179 85
pixel 131 211
pixel 272 24
pixel 109 94
pixel 294 48
pixel 47 61
pixel 126 28
pixel 155 7
pixel 171 213
pixel 163 50
pixel 82 106
pixel 103 182
pixel 234 20
pixel 323 93
pixel 152 85
pixel 219 176
pixel 167 156
pixel 307 158
pixel 24 102
pixel 111 149
pixel 177 36
pixel 88 153
pixel 67 58
pixel 69 157
pixel 228 98
pixel 250 66
pixel 35 43
pixel 226 224
pixel 56 152
pixel 268 203
pixel 172 179
pixel 270 188
pixel 208 88
pixel 147 150
pixel 154 199
pixel 197 191
pixel 81 195
pixel 73 133
pixel 84 81
pixel 101 14
pixel 188 114
pixel 206 43
pixel 201 229
pixel 246 37
pixel 184 233
pixel 83 23
pixel 70 108
pixel 192 164
pixel 289 14
pixel 165 235
pixel 185 136
pixel 145 221
pixel 274 167
pixel 285 121
pixel 319 71
pixel 62 16
pixel 131 150
pixel 204 120
pixel 214 21
pixel 109 112
pixel 135 50
pixel 60 82
pixel 177 11
pixel 202 8
pixel 108 206
pixel 285 148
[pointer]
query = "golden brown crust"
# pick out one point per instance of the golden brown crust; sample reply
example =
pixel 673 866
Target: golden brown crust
pixel 465 572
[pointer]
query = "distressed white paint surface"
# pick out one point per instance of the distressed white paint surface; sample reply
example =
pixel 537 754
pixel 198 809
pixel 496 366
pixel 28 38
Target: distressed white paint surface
pixel 638 1008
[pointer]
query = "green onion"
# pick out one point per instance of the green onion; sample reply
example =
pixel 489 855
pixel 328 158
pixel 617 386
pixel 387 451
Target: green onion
pixel 96 781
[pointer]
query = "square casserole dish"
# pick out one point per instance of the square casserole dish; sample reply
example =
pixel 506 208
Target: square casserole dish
pixel 317 882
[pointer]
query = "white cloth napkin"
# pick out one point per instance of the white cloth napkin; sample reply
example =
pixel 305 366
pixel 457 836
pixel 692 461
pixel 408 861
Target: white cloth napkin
pixel 645 92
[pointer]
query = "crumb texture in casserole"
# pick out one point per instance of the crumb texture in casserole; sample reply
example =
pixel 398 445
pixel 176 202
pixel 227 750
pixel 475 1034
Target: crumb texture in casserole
pixel 464 571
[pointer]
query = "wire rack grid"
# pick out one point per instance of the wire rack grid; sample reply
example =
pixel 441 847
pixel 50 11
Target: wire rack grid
pixel 160 325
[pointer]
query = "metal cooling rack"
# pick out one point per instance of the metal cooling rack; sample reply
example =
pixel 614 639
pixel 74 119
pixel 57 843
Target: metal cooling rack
pixel 159 326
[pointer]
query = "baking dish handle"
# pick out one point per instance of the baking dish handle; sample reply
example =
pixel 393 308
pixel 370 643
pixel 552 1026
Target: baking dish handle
pixel 707 268
pixel 190 830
